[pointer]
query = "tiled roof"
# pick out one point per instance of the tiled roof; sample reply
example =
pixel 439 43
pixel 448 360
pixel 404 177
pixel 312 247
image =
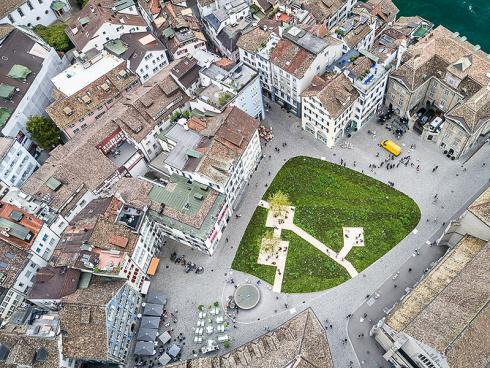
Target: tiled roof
pixel 357 34
pixel 255 40
pixel 12 262
pixel 54 283
pixel 19 49
pixel 93 16
pixel 107 87
pixel 300 342
pixel 384 9
pixel 7 6
pixel 321 10
pixel 447 308
pixel 335 92
pixel 27 351
pixel 441 51
pixel 235 131
pixel 22 232
pixel 5 144
pixel 138 45
pixel 481 207
pixel 291 58
pixel 5 29
pixel 84 322
pixel 72 164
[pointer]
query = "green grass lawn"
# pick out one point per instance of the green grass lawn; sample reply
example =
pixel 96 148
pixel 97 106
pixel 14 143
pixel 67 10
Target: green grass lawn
pixel 328 197
pixel 248 251
pixel 308 269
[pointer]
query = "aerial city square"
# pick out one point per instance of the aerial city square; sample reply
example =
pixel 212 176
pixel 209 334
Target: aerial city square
pixel 244 184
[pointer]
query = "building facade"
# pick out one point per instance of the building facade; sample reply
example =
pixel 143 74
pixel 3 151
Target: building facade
pixel 447 84
pixel 16 163
pixel 33 12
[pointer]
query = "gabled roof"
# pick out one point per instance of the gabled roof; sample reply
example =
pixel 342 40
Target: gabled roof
pixel 449 309
pixel 19 53
pixel 54 283
pixel 291 58
pixel 7 6
pixel 93 15
pixel 335 92
pixel 83 319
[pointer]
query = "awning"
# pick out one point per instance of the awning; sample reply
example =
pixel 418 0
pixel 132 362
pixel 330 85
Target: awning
pixel 153 266
pixel 173 351
pixel 154 310
pixel 57 5
pixel 165 337
pixel 168 32
pixel 19 72
pixel 147 334
pixel 150 322
pixel 156 299
pixel 164 359
pixel 4 115
pixel 144 348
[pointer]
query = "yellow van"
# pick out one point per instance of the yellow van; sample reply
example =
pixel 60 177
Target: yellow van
pixel 391 146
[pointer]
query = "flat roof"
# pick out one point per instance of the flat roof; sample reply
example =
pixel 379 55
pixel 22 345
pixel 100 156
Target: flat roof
pixel 186 140
pixel 77 76
pixel 188 207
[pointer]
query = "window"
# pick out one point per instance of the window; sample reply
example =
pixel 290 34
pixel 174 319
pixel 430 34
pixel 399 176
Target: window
pixel 11 20
pixel 30 5
pixel 21 13
pixel 40 1
pixel 45 237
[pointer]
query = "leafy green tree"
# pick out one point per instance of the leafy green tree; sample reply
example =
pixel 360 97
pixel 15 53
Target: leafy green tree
pixel 278 201
pixel 55 36
pixel 82 3
pixel 44 132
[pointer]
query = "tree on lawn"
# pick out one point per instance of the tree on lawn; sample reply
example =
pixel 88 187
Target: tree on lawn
pixel 278 201
pixel 44 132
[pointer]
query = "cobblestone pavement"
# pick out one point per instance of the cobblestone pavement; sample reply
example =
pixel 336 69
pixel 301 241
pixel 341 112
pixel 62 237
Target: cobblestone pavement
pixel 453 186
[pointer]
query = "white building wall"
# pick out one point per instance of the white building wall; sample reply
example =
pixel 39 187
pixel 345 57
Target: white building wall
pixel 369 101
pixel 45 242
pixel 32 13
pixel 108 32
pixel 37 98
pixel 318 121
pixel 249 99
pixel 17 293
pixel 288 88
pixel 148 245
pixel 188 49
pixel 17 166
pixel 152 63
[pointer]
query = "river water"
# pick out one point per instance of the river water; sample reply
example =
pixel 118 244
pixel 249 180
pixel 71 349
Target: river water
pixel 471 18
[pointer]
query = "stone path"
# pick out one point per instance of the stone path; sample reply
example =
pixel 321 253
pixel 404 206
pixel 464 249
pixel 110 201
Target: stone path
pixel 353 237
pixel 286 222
pixel 324 249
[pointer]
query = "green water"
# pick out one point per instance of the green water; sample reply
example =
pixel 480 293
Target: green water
pixel 471 18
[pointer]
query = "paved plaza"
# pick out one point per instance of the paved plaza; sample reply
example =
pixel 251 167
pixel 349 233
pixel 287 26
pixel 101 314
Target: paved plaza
pixel 454 183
